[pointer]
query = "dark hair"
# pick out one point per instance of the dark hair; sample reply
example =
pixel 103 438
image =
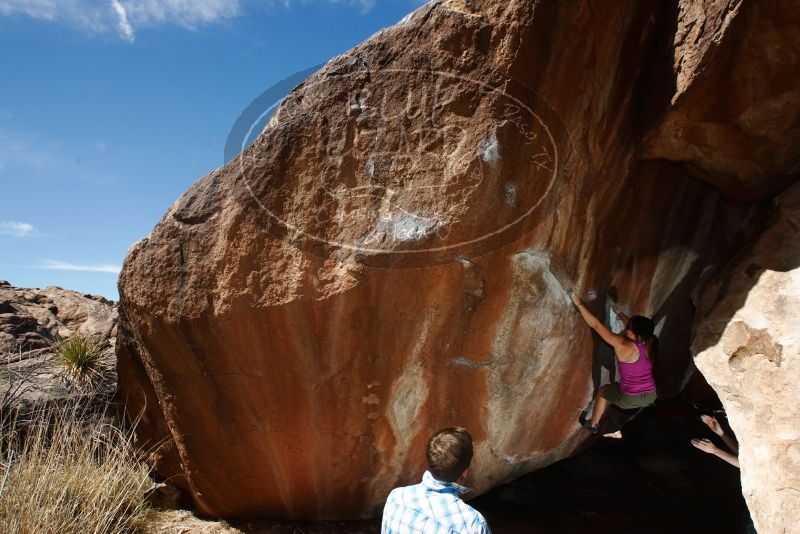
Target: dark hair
pixel 642 326
pixel 449 453
pixel 644 330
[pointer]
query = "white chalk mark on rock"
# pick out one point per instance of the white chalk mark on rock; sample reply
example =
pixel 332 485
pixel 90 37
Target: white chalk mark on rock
pixel 489 150
pixel 536 261
pixel 461 360
pixel 405 226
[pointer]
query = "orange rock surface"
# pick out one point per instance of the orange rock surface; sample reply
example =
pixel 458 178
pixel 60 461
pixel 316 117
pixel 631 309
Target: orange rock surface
pixel 393 254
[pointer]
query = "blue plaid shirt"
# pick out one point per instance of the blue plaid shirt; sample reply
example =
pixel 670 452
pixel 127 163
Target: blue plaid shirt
pixel 431 507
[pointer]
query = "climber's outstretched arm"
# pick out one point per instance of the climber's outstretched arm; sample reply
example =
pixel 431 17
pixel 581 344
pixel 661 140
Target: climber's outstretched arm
pixel 608 336
pixel 729 457
pixel 730 442
pixel 716 428
pixel 706 446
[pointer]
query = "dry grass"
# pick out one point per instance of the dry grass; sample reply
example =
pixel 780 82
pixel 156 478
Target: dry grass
pixel 184 522
pixel 71 473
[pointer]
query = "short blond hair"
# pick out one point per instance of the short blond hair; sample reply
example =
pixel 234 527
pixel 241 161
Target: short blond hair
pixel 449 453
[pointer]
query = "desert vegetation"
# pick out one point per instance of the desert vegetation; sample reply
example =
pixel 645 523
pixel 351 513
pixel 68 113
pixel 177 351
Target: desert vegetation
pixel 70 470
pixel 81 360
pixel 66 465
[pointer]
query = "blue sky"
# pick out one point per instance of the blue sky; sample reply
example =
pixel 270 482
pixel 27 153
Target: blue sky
pixel 110 109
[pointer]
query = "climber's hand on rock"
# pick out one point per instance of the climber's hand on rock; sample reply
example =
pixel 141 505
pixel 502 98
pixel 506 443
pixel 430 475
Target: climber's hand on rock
pixel 713 424
pixel 705 446
pixel 575 298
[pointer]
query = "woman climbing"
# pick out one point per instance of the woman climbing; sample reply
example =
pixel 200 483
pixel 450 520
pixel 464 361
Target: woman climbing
pixel 635 350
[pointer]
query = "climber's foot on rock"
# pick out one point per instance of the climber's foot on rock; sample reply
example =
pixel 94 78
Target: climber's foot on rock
pixel 585 423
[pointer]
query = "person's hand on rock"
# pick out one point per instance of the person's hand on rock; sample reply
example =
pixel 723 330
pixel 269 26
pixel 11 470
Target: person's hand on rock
pixel 576 300
pixel 705 445
pixel 713 424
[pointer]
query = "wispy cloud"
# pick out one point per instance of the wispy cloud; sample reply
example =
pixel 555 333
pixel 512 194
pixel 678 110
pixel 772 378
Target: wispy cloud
pixel 364 5
pixel 66 266
pixel 124 16
pixel 34 157
pixel 125 28
pixel 189 14
pixel 90 15
pixel 17 229
pixel 23 150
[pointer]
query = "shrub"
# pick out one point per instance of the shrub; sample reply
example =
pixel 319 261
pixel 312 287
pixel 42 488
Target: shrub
pixel 70 473
pixel 81 359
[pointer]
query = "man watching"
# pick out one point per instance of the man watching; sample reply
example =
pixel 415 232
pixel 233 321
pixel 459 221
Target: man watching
pixel 434 505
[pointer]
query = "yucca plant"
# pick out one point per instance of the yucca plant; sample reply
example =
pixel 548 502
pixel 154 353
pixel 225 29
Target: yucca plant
pixel 81 360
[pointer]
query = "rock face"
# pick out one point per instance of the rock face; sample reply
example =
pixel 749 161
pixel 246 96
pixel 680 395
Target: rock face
pixel 33 318
pixel 748 348
pixel 735 113
pixel 392 254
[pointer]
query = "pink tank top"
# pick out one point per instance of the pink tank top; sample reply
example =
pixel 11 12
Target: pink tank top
pixel 637 378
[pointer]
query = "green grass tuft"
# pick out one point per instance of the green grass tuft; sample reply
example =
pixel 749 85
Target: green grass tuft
pixel 81 359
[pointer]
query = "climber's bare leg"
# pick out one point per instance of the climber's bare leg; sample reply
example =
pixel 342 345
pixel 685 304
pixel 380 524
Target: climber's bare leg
pixel 600 405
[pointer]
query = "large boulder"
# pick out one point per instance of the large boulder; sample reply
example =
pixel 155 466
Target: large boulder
pixel 747 346
pixel 392 255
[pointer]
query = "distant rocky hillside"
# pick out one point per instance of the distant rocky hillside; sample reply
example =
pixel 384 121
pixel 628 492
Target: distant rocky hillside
pixel 30 320
pixel 33 318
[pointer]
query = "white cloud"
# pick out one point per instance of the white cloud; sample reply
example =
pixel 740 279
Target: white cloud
pixel 125 28
pixel 124 16
pixel 65 266
pixel 17 229
pixel 87 15
pixel 127 16
pixel 188 14
pixel 365 5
